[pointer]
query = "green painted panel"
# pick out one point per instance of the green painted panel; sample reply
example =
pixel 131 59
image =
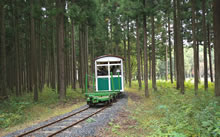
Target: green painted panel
pixel 116 81
pixel 103 84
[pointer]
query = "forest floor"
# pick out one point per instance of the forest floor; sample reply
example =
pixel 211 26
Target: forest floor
pixel 21 112
pixel 167 113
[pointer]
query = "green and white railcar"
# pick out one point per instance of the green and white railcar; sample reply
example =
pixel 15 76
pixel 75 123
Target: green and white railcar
pixel 109 80
pixel 106 67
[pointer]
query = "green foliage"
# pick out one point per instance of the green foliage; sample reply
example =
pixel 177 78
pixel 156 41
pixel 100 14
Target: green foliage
pixel 173 114
pixel 90 120
pixel 83 12
pixel 115 128
pixel 209 119
pixel 12 110
pixel 19 109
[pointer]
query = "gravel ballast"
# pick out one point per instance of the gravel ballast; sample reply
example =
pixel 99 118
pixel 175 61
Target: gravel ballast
pixel 86 128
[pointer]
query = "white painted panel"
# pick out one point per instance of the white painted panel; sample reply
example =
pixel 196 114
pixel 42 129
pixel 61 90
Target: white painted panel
pixel 104 59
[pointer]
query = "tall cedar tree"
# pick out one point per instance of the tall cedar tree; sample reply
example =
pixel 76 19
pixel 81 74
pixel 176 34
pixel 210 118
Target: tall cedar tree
pixel 196 78
pixel 16 43
pixel 166 62
pixel 179 50
pixel 125 55
pixel 175 42
pixel 3 72
pixel 33 53
pixel 138 53
pixel 145 54
pixel 129 55
pixel 205 44
pixel 210 51
pixel 216 4
pixel 170 51
pixel 60 22
pixel 154 84
pixel 73 55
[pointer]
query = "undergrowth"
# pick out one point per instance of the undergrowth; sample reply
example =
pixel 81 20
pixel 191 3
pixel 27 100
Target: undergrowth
pixel 169 113
pixel 18 110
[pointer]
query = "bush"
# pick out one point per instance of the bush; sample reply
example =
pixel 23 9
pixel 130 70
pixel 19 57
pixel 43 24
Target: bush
pixel 174 114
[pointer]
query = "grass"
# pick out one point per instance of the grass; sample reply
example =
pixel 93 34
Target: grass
pixel 20 112
pixel 165 113
pixel 169 113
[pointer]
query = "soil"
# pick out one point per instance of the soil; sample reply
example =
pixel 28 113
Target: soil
pixel 121 119
pixel 133 96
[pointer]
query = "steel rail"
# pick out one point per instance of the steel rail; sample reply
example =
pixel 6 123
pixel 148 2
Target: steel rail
pixel 31 131
pixel 61 130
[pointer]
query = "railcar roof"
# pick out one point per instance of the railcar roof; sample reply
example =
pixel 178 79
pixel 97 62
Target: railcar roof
pixel 109 56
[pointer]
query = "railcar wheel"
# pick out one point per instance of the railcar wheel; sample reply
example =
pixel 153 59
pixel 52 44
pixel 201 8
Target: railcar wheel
pixel 106 103
pixel 109 102
pixel 90 104
pixel 114 98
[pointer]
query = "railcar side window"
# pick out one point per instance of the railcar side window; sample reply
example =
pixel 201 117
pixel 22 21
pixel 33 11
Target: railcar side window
pixel 102 70
pixel 115 69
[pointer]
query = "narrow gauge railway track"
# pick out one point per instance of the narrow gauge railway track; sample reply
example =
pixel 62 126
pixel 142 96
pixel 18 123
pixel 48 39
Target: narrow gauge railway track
pixel 72 120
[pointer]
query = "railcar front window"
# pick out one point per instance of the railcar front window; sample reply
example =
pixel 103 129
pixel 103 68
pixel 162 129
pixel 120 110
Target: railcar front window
pixel 115 62
pixel 115 69
pixel 99 63
pixel 102 70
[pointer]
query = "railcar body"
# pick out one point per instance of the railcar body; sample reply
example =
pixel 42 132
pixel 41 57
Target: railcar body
pixel 109 80
pixel 106 67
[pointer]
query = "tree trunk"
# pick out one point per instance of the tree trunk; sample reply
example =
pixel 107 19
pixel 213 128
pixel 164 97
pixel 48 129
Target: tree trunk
pixel 205 44
pixel 73 55
pixel 175 45
pixel 217 46
pixel 39 57
pixel 53 60
pixel 138 54
pixel 196 78
pixel 150 64
pixel 210 53
pixel 93 60
pixel 60 48
pixel 80 59
pixel 180 54
pixel 145 55
pixel 3 68
pixel 33 54
pixel 16 57
pixel 166 63
pixel 153 55
pixel 111 31
pixel 116 48
pixel 141 56
pixel 82 55
pixel 198 63
pixel 129 56
pixel 125 56
pixel 170 51
pixel 86 54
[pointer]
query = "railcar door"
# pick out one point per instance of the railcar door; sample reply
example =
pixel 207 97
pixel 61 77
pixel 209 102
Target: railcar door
pixel 116 71
pixel 102 76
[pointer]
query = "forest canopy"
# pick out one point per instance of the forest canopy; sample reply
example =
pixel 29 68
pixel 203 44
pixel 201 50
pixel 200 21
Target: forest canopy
pixel 54 42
